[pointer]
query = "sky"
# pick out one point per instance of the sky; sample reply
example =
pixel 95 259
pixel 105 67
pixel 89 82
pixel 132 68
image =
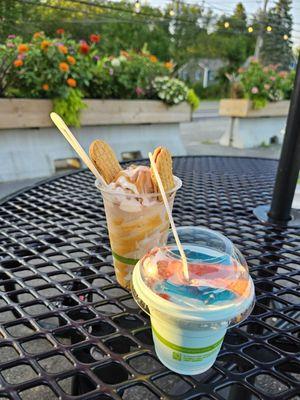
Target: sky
pixel 227 6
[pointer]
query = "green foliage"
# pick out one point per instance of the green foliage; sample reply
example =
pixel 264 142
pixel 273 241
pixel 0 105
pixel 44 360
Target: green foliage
pixel 287 83
pixel 10 13
pixel 44 67
pixel 237 21
pixel 259 102
pixel 170 90
pixel 234 43
pixel 48 68
pixel 69 107
pixel 53 68
pixel 7 76
pixel 262 84
pixel 193 99
pixel 185 38
pixel 128 76
pixel 167 38
pixel 212 92
pixel 275 49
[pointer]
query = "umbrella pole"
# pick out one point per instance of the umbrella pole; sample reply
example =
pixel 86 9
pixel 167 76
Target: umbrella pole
pixel 289 163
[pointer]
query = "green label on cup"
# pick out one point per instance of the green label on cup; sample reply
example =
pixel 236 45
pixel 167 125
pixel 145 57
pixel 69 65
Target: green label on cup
pixel 124 260
pixel 177 356
pixel 187 350
pixel 190 357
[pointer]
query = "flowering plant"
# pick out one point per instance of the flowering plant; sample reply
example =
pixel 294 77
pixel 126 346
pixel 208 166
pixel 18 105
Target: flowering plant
pixel 66 71
pixel 262 84
pixel 46 67
pixel 127 76
pixel 170 90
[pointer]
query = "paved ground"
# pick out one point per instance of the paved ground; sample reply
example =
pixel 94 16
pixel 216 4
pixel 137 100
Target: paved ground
pixel 200 137
pixel 207 109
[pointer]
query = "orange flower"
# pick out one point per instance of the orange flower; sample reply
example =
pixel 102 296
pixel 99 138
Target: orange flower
pixel 45 44
pixel 45 86
pixel 84 48
pixel 63 49
pixel 37 35
pixel 95 38
pixel 60 31
pixel 22 48
pixel 63 67
pixel 169 65
pixel 153 59
pixel 71 60
pixel 124 53
pixel 18 63
pixel 71 82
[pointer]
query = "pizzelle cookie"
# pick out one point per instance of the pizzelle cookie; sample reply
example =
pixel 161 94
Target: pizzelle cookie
pixel 104 160
pixel 163 161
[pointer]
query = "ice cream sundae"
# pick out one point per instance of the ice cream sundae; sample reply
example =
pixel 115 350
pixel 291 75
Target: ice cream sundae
pixel 136 217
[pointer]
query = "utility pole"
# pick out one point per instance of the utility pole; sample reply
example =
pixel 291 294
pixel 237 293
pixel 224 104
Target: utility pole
pixel 259 40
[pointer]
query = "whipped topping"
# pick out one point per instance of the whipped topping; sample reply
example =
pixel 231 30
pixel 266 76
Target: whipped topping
pixel 135 180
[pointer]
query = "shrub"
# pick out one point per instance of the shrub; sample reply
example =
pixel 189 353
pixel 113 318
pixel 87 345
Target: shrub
pixel 69 107
pixel 170 90
pixel 128 76
pixel 47 68
pixel 212 92
pixel 67 70
pixel 265 83
pixel 193 99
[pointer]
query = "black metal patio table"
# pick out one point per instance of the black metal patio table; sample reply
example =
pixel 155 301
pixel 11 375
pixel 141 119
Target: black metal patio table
pixel 67 328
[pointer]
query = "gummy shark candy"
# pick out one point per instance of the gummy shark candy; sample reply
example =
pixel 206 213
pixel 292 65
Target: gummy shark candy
pixel 206 294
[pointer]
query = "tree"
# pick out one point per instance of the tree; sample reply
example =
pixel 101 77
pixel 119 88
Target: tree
pixel 236 22
pixel 277 44
pixel 236 44
pixel 240 12
pixel 10 15
pixel 185 30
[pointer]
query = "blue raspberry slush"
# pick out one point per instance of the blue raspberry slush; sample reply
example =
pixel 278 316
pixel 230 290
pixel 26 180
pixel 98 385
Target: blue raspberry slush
pixel 189 318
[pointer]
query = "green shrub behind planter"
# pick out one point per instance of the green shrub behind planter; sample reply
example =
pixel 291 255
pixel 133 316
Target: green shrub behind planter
pixel 70 106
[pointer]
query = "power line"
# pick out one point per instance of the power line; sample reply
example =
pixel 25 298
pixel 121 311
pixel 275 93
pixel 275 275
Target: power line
pixel 98 5
pixel 161 17
pixel 108 20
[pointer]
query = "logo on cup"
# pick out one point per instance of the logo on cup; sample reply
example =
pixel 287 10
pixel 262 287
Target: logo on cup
pixel 176 356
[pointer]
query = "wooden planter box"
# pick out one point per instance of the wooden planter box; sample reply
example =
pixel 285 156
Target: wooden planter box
pixel 31 146
pixel 242 108
pixel 34 113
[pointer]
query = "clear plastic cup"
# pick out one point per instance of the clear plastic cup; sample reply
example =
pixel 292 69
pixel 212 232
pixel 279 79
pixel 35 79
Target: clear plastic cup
pixel 136 224
pixel 189 319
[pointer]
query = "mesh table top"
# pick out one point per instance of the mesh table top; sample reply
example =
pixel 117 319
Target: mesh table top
pixel 64 319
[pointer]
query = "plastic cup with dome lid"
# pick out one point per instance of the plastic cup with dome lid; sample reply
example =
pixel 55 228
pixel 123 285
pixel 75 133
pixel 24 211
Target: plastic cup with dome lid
pixel 190 317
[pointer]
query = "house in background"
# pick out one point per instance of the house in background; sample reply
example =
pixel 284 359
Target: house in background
pixel 202 70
